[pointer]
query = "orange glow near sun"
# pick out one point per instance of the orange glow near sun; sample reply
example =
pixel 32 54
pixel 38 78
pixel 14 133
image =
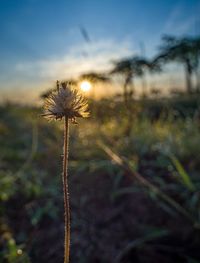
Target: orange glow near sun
pixel 85 86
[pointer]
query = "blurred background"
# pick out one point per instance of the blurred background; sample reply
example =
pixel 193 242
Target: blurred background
pixel 134 164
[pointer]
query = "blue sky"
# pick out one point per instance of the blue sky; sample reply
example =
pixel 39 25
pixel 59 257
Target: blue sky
pixel 41 40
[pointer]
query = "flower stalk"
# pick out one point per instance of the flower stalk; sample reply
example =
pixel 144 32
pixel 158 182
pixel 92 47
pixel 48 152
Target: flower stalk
pixel 65 191
pixel 68 104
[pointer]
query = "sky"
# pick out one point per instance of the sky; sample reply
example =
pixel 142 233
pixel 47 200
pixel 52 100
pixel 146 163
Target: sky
pixel 45 40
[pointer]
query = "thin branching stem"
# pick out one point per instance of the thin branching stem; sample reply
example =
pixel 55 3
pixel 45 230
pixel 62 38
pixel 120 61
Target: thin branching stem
pixel 65 190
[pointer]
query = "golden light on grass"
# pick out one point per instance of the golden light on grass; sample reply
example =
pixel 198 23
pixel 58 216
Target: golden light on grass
pixel 85 86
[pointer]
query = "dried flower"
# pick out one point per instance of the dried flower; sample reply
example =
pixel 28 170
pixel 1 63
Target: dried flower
pixel 65 102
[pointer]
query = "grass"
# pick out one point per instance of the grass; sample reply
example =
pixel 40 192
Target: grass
pixel 114 216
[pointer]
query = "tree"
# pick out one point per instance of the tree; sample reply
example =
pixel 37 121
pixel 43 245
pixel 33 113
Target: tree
pixel 179 50
pixel 94 78
pixel 131 68
pixel 124 68
pixel 196 61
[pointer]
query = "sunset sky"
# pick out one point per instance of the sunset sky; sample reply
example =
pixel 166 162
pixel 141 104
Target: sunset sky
pixel 45 40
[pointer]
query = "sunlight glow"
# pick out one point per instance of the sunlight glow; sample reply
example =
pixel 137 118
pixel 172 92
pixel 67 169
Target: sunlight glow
pixel 85 86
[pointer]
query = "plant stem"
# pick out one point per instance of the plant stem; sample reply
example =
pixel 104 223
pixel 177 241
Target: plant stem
pixel 65 191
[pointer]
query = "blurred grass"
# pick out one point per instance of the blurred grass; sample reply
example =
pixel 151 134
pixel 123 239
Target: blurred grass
pixel 163 145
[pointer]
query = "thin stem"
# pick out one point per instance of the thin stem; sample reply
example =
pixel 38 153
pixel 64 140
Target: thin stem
pixel 65 191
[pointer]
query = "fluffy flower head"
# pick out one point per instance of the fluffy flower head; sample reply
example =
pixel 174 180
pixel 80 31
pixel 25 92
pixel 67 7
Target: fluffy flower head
pixel 65 102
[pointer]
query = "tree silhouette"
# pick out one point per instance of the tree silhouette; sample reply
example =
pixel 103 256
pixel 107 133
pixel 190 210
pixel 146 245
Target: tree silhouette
pixel 94 78
pixel 124 68
pixel 131 68
pixel 183 51
pixel 196 60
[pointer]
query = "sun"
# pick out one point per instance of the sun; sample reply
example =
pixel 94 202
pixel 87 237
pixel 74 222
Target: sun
pixel 85 86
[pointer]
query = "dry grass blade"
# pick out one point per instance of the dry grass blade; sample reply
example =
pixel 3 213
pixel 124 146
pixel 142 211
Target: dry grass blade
pixel 183 174
pixel 122 162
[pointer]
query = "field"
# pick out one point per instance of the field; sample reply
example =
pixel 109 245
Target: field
pixel 134 183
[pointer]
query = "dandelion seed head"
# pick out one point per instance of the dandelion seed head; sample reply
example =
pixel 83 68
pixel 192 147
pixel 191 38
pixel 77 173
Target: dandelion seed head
pixel 65 102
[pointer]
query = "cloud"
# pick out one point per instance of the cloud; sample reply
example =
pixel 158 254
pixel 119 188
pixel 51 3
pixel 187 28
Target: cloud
pixel 180 22
pixel 173 18
pixel 33 77
pixel 86 57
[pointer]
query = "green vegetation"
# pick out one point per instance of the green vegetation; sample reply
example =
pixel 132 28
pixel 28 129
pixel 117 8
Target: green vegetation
pixel 133 195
